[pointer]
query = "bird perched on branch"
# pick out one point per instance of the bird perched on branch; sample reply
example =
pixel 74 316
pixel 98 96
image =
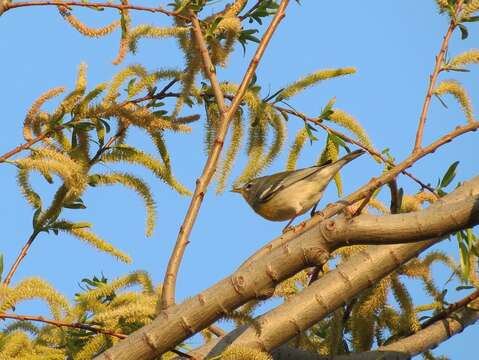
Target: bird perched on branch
pixel 288 194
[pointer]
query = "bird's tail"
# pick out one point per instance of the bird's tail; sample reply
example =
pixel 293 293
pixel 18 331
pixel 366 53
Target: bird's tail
pixel 333 168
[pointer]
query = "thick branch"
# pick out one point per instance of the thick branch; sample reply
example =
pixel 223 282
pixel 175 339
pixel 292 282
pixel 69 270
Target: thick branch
pixel 359 272
pixel 434 334
pixel 256 280
pixel 211 163
pixel 364 191
pixel 433 77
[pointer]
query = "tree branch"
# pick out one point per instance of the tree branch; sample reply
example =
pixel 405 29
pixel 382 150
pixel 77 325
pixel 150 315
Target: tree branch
pixel 350 140
pixel 19 259
pixel 434 334
pixel 309 248
pixel 433 77
pixel 168 294
pixel 63 324
pixel 25 146
pixel 9 6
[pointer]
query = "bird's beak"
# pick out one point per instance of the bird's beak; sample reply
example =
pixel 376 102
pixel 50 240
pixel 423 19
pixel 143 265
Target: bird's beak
pixel 236 190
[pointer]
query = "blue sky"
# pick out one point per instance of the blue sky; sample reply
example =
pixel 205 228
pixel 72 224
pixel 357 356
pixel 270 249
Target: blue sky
pixel 391 43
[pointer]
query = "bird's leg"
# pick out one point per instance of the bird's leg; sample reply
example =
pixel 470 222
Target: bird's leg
pixel 288 227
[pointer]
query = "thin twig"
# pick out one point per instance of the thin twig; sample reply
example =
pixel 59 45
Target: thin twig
pixel 451 308
pixel 357 143
pixel 20 257
pixel 19 4
pixel 376 183
pixel 162 94
pixel 169 284
pixel 63 324
pixel 433 77
pixel 29 143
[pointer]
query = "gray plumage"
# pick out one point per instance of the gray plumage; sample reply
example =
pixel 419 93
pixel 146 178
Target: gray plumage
pixel 288 194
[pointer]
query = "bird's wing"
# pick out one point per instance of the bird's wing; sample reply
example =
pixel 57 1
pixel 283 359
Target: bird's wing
pixel 287 179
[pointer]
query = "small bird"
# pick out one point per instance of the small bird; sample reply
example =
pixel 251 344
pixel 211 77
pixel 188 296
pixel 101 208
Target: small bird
pixel 288 194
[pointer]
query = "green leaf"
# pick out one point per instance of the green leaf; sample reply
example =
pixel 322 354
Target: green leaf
pixel 464 31
pixel 36 214
pixel 339 141
pixel 470 238
pixel 449 175
pixel 273 96
pixel 76 204
pixel 129 86
pixel 464 261
pixel 464 287
pixel 309 132
pixel 100 132
pixel 471 19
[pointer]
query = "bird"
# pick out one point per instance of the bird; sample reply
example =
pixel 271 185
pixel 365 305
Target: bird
pixel 288 194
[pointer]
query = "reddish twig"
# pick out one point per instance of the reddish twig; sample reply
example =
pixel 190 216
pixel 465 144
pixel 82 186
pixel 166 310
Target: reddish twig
pixel 169 284
pixel 19 4
pixel 357 143
pixel 162 94
pixel 20 257
pixel 64 324
pixel 433 78
pixel 29 143
pixel 451 308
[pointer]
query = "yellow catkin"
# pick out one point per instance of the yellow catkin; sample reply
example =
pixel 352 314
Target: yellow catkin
pixel 296 147
pixel 347 121
pixel 125 33
pixel 231 153
pixel 335 334
pixel 84 29
pixel 454 88
pixel 97 242
pixel 93 347
pixel 34 288
pixel 470 8
pixel 362 319
pixel 238 352
pixel 139 186
pixel 32 114
pixel 378 205
pixel 331 152
pixel 410 204
pixel 312 79
pixel 442 4
pixel 409 321
pixel 135 278
pixel 120 78
pixel 152 32
pixel 468 57
pixel 279 135
pixel 133 156
pixel 426 196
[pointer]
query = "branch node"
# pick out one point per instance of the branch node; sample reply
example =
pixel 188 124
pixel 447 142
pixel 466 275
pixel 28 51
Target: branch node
pixel 150 340
pixel 187 326
pixel 271 273
pixel 238 283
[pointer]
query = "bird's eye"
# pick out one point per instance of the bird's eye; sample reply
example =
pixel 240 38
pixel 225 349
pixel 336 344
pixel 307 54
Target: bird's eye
pixel 248 186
